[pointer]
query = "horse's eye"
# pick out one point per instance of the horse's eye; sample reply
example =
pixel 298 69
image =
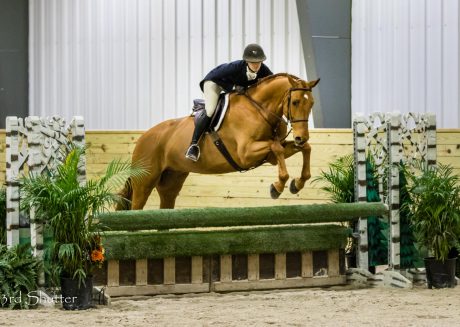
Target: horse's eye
pixel 295 102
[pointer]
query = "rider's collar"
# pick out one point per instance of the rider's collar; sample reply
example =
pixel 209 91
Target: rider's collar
pixel 249 68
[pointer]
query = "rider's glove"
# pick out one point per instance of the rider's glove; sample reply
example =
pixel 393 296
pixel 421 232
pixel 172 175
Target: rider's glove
pixel 240 89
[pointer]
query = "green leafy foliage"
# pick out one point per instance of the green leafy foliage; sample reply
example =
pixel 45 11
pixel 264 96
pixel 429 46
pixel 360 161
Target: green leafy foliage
pixel 434 209
pixel 376 227
pixel 339 180
pixel 409 254
pixel 19 272
pixel 67 207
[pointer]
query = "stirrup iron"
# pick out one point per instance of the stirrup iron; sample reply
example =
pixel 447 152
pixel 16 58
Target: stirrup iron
pixel 193 152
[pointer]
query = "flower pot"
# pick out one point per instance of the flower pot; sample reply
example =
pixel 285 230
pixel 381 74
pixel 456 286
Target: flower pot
pixel 74 296
pixel 440 274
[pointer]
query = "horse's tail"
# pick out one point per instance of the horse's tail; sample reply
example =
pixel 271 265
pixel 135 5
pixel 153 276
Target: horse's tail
pixel 126 195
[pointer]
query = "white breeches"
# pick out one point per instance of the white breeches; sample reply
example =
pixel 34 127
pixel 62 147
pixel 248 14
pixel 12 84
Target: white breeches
pixel 211 95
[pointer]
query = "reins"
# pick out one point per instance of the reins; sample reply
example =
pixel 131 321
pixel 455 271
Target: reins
pixel 262 110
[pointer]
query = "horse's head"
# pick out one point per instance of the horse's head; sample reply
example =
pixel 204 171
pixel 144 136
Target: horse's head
pixel 297 107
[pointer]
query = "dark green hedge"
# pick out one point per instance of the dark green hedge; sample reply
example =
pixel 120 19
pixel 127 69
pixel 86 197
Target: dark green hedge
pixel 276 239
pixel 222 217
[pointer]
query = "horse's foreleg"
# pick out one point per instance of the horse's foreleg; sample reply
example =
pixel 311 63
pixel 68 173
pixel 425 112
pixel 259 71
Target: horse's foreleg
pixel 275 155
pixel 278 187
pixel 298 183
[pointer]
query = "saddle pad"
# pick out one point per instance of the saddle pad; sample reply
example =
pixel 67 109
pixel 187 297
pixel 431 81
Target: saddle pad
pixel 219 115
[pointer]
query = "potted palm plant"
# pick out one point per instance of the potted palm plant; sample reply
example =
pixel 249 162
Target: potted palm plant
pixel 67 208
pixel 434 213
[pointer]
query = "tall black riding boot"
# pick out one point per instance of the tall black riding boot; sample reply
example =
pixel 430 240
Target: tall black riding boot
pixel 193 152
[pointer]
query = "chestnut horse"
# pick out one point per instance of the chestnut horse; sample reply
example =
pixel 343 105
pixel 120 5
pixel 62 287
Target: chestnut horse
pixel 253 132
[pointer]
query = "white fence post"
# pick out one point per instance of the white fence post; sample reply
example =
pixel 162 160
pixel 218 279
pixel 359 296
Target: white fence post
pixel 12 185
pixel 394 158
pixel 77 128
pixel 34 141
pixel 359 141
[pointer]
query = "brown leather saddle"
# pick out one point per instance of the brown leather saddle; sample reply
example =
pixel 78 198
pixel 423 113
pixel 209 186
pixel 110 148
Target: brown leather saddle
pixel 198 111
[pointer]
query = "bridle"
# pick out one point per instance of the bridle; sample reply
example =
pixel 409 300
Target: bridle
pixel 289 117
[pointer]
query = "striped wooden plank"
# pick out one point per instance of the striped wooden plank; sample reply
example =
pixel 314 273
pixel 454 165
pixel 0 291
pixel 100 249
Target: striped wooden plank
pixel 226 282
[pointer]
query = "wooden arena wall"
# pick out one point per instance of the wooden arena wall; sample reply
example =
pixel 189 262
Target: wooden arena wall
pixel 243 189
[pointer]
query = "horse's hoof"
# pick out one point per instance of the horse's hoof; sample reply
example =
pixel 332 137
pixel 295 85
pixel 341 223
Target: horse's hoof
pixel 293 188
pixel 273 192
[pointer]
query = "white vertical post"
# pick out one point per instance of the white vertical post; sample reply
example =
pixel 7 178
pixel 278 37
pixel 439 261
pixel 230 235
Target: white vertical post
pixel 12 185
pixel 431 139
pixel 77 127
pixel 394 158
pixel 34 141
pixel 359 130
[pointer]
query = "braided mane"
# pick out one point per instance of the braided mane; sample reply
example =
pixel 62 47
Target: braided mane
pixel 267 78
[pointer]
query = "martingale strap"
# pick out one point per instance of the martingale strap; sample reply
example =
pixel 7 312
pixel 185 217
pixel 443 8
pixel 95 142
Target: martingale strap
pixel 223 149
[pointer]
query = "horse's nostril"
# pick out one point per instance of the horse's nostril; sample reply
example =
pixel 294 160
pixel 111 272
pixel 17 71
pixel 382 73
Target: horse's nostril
pixel 299 141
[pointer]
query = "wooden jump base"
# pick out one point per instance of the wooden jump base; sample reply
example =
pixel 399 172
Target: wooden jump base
pixel 227 249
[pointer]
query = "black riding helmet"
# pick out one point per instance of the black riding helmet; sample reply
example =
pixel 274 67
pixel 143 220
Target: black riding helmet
pixel 254 53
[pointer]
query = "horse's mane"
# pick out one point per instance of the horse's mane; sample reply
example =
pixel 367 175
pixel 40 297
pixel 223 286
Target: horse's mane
pixel 268 78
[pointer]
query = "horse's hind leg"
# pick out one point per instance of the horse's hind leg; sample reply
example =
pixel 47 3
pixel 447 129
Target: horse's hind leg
pixel 168 188
pixel 142 189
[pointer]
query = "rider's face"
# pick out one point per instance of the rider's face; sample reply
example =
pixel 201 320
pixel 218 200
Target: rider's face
pixel 254 66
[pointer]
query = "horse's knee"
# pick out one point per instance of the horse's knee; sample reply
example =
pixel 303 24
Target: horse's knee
pixel 271 159
pixel 277 148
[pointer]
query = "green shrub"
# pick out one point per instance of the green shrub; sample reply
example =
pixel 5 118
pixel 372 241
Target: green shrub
pixel 434 209
pixel 339 180
pixel 19 272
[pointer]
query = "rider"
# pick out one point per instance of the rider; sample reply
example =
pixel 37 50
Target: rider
pixel 237 75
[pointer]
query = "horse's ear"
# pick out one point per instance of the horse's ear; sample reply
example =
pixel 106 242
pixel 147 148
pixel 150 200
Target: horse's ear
pixel 312 84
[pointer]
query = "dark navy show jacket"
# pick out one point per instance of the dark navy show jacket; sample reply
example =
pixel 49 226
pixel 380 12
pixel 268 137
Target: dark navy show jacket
pixel 233 73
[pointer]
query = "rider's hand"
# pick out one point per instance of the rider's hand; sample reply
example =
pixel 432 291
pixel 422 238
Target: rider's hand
pixel 240 89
